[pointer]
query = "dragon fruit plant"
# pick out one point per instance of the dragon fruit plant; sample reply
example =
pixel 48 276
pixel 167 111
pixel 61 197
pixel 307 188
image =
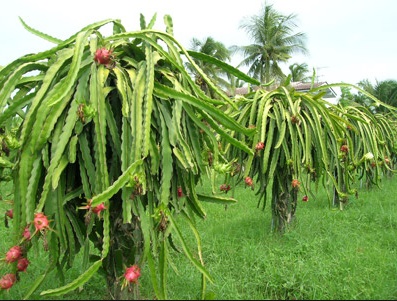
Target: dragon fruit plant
pixel 110 138
pixel 303 141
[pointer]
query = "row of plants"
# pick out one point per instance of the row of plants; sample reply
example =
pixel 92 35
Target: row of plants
pixel 303 141
pixel 105 139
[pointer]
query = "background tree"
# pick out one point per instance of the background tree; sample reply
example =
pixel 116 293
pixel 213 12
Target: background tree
pixel 299 72
pixel 234 82
pixel 274 42
pixel 212 48
pixel 386 91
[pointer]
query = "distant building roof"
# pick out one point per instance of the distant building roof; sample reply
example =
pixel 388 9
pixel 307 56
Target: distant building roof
pixel 303 87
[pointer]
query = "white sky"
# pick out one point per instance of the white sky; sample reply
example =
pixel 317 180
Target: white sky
pixel 348 40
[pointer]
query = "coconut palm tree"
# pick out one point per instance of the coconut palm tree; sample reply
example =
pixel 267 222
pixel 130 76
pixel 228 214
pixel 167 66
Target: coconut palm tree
pixel 299 72
pixel 209 47
pixel 274 41
pixel 386 91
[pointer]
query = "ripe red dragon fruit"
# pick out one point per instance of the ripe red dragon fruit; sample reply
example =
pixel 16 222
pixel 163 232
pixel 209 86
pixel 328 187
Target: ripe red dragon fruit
pixel 10 213
pixel 225 187
pixel 13 254
pixel 180 192
pixel 344 148
pixel 41 222
pixel 26 233
pixel 248 181
pixel 7 281
pixel 22 264
pixel 305 198
pixel 103 56
pixel 295 183
pixel 132 273
pixel 259 146
pixel 98 209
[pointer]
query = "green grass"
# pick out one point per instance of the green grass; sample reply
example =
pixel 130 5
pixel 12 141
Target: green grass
pixel 326 254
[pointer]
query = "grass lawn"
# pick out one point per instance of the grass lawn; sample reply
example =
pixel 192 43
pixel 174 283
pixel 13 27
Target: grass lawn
pixel 326 254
